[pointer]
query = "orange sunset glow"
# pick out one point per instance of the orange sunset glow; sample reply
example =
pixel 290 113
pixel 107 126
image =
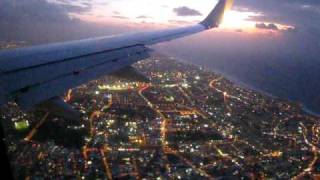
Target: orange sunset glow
pixel 160 13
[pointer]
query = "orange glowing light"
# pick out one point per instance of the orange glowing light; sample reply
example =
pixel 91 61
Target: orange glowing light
pixel 238 20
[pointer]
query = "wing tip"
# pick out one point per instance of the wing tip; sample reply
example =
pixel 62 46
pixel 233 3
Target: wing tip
pixel 215 17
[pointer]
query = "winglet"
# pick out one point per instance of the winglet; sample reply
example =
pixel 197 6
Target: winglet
pixel 216 16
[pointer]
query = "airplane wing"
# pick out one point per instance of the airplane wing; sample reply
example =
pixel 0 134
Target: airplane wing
pixel 33 75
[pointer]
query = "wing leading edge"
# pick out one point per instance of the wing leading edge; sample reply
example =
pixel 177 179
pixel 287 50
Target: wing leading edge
pixel 31 76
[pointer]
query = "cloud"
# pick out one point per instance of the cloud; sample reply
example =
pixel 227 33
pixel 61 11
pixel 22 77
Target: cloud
pixel 120 17
pixel 144 17
pixel 32 11
pixel 294 12
pixel 77 9
pixel 275 27
pixel 179 22
pixel 44 21
pixel 291 29
pixel 270 26
pixel 186 11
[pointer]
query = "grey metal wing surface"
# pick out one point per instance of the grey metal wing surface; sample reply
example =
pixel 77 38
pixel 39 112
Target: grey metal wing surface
pixel 30 76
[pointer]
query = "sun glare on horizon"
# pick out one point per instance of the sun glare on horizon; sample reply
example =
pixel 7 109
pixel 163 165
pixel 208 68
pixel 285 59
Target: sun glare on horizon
pixel 238 20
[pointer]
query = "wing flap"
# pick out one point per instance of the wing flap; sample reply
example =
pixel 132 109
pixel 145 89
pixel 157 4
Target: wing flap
pixel 59 107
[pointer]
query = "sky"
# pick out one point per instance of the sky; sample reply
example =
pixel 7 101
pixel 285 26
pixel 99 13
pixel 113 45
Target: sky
pixel 117 16
pixel 270 45
pixel 247 15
